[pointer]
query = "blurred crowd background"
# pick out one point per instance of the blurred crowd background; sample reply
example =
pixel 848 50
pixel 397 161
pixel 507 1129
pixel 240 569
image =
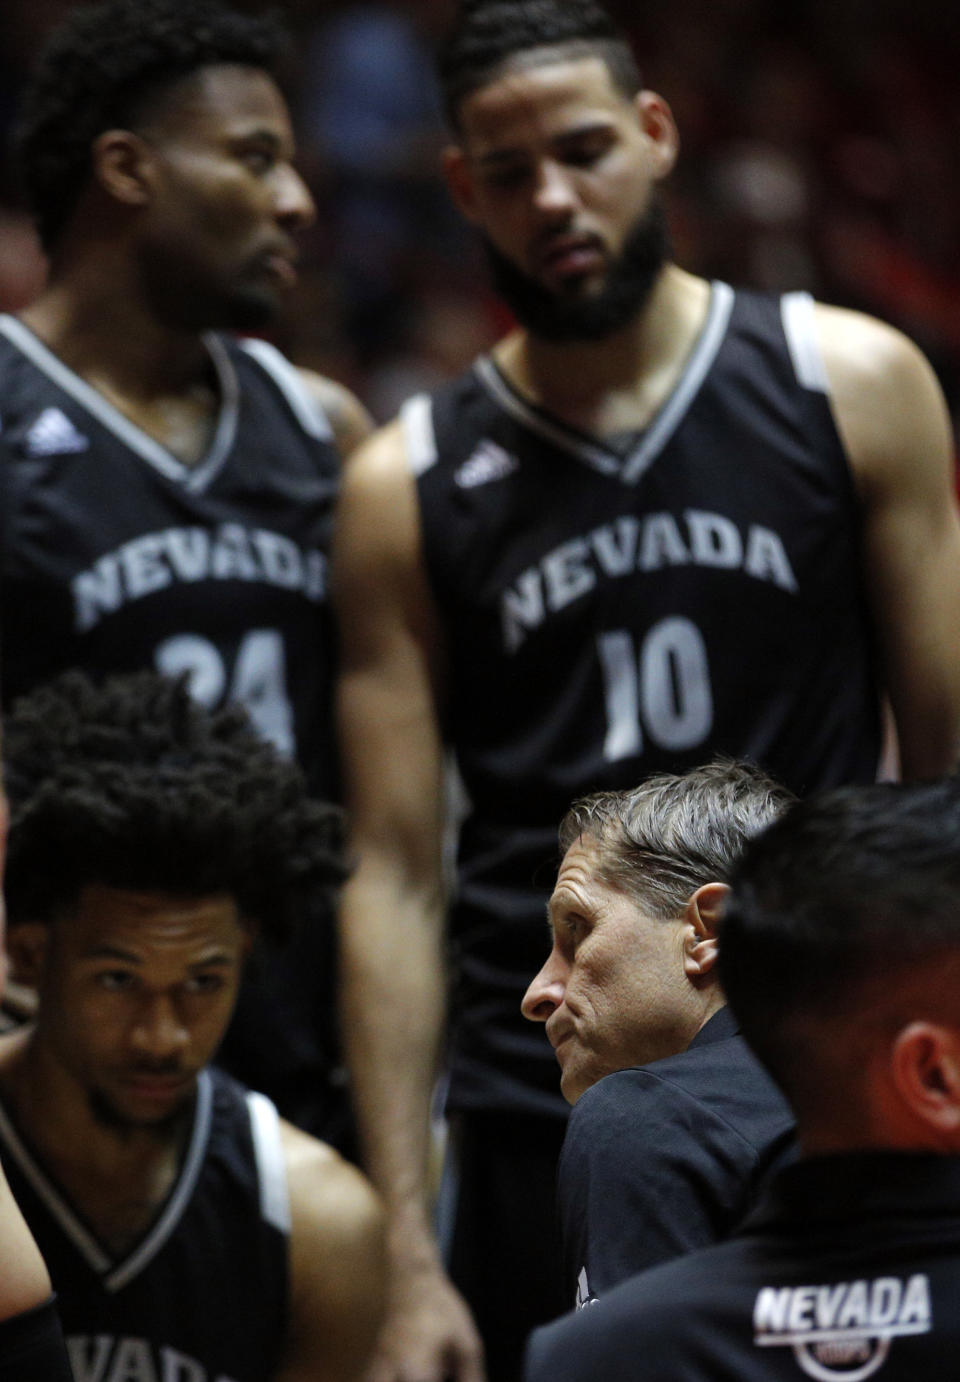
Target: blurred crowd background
pixel 820 149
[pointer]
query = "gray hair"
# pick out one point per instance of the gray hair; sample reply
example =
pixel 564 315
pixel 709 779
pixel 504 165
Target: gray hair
pixel 676 831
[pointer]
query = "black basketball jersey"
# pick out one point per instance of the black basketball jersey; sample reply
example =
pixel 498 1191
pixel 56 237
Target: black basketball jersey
pixel 611 611
pixel 116 555
pixel 203 1296
pixel 847 1270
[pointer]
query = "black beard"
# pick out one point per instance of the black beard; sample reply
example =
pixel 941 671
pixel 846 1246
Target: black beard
pixel 185 299
pixel 109 1116
pixel 561 317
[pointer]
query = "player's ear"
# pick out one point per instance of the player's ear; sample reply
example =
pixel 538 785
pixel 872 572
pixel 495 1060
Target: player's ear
pixel 456 170
pixel 28 943
pixel 123 164
pixel 702 915
pixel 659 130
pixel 925 1066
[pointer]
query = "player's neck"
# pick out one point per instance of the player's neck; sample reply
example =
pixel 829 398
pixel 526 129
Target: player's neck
pixel 160 378
pixel 104 332
pixel 616 384
pixel 54 1112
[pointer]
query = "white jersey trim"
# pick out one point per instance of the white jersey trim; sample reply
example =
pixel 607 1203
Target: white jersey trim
pixel 178 1201
pixel 73 1228
pixel 192 477
pixel 419 439
pixel 271 1162
pixel 631 468
pixel 306 409
pixel 54 1203
pixel 701 360
pixel 598 457
pixel 799 327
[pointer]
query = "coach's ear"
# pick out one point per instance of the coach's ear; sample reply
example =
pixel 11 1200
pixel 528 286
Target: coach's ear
pixel 27 945
pixel 925 1065
pixel 702 920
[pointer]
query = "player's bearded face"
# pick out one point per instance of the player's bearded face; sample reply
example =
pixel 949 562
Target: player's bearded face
pixel 567 316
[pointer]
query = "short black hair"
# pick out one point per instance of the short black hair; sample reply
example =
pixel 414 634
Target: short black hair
pixel 828 906
pixel 104 68
pixel 132 784
pixel 488 35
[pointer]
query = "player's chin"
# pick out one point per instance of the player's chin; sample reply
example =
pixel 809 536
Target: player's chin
pixel 141 1102
pixel 252 306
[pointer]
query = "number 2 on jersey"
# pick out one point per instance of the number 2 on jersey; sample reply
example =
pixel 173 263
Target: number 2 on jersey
pixel 662 688
pixel 258 682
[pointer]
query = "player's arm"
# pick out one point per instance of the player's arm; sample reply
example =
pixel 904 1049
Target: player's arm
pixel 349 419
pixel 392 911
pixel 31 1342
pixel 24 1281
pixel 893 421
pixel 337 1268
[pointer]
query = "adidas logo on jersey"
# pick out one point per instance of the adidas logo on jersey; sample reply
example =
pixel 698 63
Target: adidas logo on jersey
pixel 53 434
pixel 488 462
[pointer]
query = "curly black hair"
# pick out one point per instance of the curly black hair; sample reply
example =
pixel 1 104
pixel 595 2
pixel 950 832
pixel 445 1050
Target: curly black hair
pixel 105 67
pixel 132 784
pixel 488 34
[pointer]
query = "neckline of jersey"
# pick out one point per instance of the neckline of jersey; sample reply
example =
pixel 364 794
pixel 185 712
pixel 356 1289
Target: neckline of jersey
pixel 192 477
pixel 629 466
pixel 116 1273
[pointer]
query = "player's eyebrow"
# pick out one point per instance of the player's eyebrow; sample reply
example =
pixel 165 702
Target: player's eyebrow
pixel 113 952
pixel 508 152
pixel 217 958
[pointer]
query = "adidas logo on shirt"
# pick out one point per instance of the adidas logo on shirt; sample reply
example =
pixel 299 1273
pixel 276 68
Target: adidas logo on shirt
pixel 488 462
pixel 53 434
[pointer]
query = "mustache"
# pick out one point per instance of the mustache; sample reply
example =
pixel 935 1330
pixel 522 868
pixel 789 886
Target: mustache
pixel 164 1066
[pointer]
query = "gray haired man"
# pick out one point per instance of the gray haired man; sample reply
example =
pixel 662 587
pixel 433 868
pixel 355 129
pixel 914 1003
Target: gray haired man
pixel 676 1125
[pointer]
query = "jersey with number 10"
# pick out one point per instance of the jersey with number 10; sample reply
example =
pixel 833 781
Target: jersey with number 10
pixel 116 556
pixel 615 609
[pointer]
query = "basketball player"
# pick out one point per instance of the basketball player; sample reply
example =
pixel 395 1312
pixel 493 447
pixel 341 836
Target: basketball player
pixel 840 953
pixel 189 1233
pixel 676 1127
pixel 167 488
pixel 662 519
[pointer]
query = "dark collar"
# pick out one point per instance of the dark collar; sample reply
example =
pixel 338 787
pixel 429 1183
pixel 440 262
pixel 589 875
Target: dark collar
pixel 720 1027
pixel 859 1185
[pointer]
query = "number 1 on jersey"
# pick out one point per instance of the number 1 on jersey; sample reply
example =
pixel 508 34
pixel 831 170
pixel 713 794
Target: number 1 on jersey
pixel 663 688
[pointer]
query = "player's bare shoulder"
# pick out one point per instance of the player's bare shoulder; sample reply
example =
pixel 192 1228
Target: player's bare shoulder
pixel 349 419
pixel 337 1263
pixel 330 1200
pixel 886 399
pixel 378 521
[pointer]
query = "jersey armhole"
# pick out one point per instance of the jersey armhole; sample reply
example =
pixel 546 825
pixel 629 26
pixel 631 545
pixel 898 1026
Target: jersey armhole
pixel 305 408
pixel 799 328
pixel 271 1162
pixel 420 442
